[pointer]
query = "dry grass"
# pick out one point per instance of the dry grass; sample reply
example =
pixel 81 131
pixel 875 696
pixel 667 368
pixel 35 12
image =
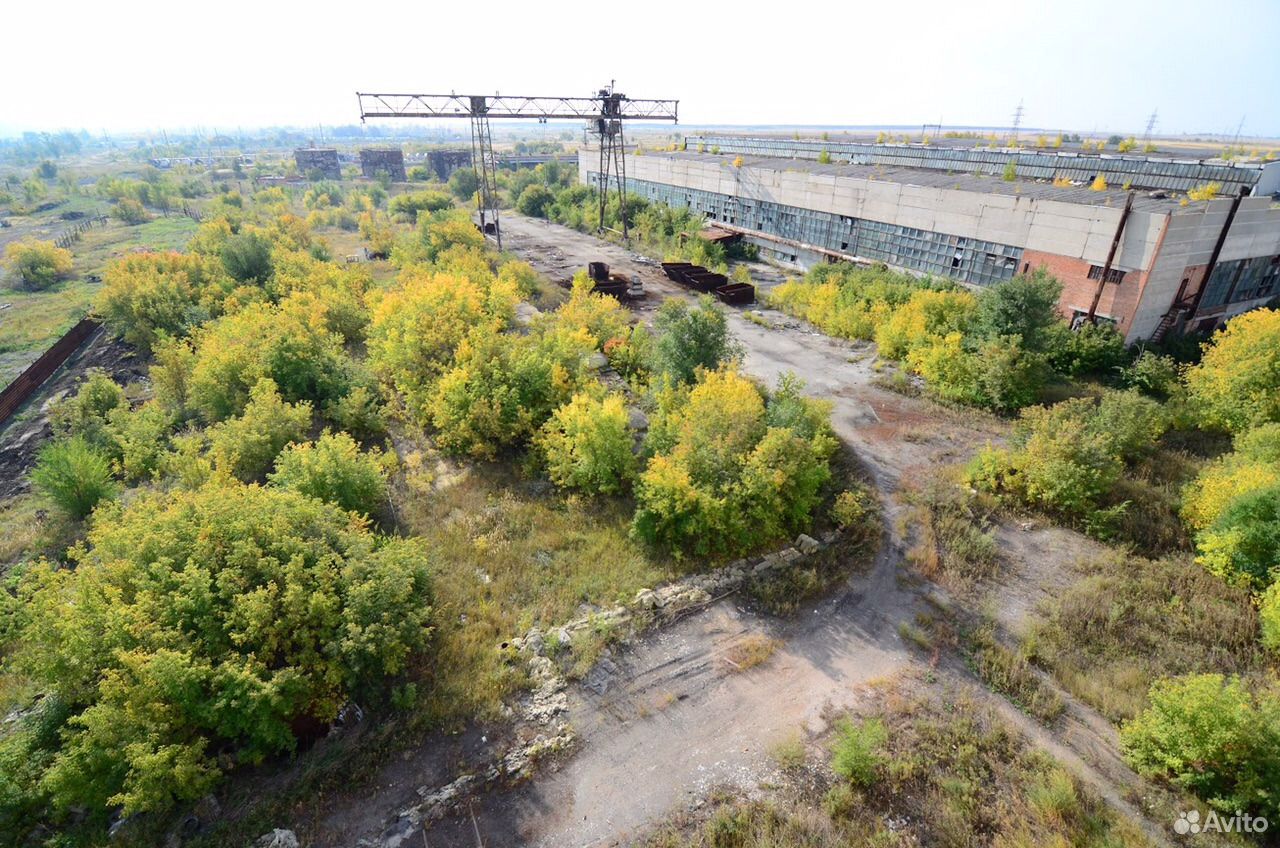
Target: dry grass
pixel 955 543
pixel 509 557
pixel 945 772
pixel 1128 621
pixel 751 650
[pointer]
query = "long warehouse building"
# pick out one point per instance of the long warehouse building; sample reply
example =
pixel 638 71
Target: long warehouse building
pixel 1175 265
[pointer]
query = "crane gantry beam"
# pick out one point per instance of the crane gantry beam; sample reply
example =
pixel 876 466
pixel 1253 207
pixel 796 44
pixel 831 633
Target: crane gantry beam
pixel 511 106
pixel 605 112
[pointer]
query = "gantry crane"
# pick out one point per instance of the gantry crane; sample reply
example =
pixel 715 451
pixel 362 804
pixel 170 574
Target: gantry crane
pixel 605 113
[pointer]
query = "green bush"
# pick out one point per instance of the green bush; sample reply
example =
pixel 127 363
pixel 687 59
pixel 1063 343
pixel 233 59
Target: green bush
pixel 1008 376
pixel 1025 306
pixel 333 469
pixel 146 296
pixel 1152 374
pixel 281 611
pixel 1269 617
pixel 285 344
pixel 587 444
pixel 407 206
pixel 138 439
pixel 85 414
pixel 1096 349
pixel 502 388
pixel 247 257
pixel 1068 458
pixel 687 338
pixel 534 201
pixel 1243 545
pixel 38 264
pixel 721 479
pixel 1236 385
pixel 358 412
pixel 1210 735
pixel 73 474
pixel 856 754
pixel 246 446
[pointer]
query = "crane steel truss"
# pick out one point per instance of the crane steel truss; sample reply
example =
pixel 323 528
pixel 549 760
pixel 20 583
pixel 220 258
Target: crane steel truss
pixel 605 112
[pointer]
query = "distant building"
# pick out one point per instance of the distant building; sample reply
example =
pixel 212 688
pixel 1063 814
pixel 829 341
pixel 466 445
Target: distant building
pixel 445 162
pixel 321 162
pixel 376 161
pixel 1150 262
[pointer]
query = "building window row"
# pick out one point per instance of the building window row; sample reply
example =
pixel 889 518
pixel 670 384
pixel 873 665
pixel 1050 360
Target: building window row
pixel 969 260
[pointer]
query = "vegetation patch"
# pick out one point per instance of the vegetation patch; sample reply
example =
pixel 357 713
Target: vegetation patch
pixel 912 771
pixel 1129 621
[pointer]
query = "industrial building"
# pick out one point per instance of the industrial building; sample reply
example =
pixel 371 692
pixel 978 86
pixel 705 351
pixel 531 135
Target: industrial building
pixel 382 161
pixel 318 162
pixel 1149 261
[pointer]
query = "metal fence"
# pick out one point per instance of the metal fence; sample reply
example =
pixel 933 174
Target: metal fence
pixel 21 389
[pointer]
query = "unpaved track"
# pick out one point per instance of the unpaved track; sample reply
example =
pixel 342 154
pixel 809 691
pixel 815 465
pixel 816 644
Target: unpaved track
pixel 674 719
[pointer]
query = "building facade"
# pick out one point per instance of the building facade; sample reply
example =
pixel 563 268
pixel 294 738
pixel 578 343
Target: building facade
pixel 318 162
pixel 382 161
pixel 1150 263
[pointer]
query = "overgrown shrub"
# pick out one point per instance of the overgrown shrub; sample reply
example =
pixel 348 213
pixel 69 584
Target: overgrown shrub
pixel 721 478
pixel 283 609
pixel 73 474
pixel 1068 457
pixel 284 344
pixel 687 338
pixel 502 388
pixel 247 445
pixel 152 294
pixel 247 257
pixel 408 206
pixel 37 264
pixel 1152 374
pixel 588 445
pixel 1211 735
pixel 1236 385
pixel 333 469
pixel 418 326
pixel 1243 545
pixel 1096 349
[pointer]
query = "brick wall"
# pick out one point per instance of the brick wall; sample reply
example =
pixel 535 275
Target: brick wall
pixel 1118 302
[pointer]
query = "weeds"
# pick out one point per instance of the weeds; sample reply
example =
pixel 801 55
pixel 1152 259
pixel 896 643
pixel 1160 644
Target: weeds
pixel 1011 674
pixel 957 544
pixel 750 651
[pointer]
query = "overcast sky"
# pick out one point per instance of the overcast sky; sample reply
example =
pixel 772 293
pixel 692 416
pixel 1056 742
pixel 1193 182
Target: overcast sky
pixel 1081 65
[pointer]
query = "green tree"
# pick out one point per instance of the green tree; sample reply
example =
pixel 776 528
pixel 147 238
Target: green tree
pixel 1025 306
pixel 464 183
pixel 1236 385
pixel 73 474
pixel 687 338
pixel 247 257
pixel 283 608
pixel 588 445
pixel 335 470
pixel 534 201
pixel 1212 736
pixel 37 264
